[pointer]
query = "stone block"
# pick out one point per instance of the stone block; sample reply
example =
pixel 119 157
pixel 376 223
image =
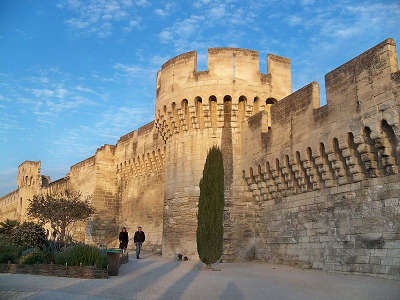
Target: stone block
pixel 392 244
pixel 393 252
pixel 375 260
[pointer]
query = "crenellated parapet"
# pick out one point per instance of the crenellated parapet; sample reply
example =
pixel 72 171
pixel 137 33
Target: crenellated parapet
pixel 10 206
pixel 140 153
pixel 188 99
pixel 353 138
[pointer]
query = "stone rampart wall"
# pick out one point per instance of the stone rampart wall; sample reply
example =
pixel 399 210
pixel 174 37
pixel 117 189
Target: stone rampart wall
pixel 125 182
pixel 9 206
pixel 323 178
pixel 139 170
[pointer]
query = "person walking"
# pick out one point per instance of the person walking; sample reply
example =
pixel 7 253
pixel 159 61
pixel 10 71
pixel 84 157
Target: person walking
pixel 139 239
pixel 123 239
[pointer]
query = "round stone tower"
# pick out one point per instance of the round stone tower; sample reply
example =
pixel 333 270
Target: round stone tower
pixel 195 110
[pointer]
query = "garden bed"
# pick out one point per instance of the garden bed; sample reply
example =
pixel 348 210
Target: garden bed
pixel 55 270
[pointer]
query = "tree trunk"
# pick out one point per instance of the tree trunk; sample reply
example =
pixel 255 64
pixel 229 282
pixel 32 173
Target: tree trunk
pixel 62 237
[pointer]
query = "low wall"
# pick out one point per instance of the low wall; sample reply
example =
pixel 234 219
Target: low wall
pixel 54 270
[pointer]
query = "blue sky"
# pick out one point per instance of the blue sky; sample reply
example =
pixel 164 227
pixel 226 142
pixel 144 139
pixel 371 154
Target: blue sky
pixel 75 75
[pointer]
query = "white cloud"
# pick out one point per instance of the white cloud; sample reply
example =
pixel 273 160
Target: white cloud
pixel 165 35
pixel 344 21
pixel 143 74
pixel 161 12
pixel 212 23
pixel 112 124
pixel 182 29
pixel 101 17
pixel 158 60
pixel 294 20
pixel 58 92
pixel 119 120
pixel 85 90
pixel 8 181
pixel 61 93
pixel 130 70
pixel 307 2
pixel 165 11
pixel 142 3
pixel 52 106
pixel 45 94
pixel 79 24
pixel 200 3
pixel 42 92
pixel 134 23
pixel 217 11
pixel 100 77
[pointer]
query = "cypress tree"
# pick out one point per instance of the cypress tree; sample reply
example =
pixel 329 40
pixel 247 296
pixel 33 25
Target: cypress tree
pixel 211 208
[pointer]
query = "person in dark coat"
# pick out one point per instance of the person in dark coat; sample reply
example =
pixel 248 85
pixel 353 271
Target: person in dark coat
pixel 139 239
pixel 123 239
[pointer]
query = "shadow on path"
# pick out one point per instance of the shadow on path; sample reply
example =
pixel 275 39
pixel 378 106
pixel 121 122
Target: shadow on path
pixel 231 292
pixel 139 283
pixel 91 286
pixel 176 290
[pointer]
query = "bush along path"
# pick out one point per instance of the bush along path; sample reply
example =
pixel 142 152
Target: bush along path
pixel 24 248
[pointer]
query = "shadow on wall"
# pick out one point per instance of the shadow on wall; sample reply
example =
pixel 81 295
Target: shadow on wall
pixel 103 231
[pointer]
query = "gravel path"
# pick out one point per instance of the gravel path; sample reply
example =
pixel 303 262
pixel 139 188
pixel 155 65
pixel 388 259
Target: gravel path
pixel 157 278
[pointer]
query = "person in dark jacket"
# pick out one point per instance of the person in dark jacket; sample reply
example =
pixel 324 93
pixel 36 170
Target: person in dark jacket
pixel 123 239
pixel 139 239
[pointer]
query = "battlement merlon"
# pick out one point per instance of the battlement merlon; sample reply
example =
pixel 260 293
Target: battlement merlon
pixel 230 70
pixel 353 80
pixel 138 143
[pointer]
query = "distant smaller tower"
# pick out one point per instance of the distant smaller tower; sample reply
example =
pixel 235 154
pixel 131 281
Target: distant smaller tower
pixel 29 183
pixel 29 175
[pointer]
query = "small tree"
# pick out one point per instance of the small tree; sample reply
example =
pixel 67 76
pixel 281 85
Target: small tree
pixel 211 209
pixel 60 210
pixel 25 235
pixel 8 226
pixel 29 235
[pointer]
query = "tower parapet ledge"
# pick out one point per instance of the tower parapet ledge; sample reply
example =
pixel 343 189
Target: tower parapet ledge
pixel 185 96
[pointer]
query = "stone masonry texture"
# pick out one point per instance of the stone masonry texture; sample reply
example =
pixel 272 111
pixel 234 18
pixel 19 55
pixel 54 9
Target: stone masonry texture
pixel 313 186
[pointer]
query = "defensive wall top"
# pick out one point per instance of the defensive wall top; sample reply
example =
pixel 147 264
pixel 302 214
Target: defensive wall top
pixel 225 67
pixel 361 93
pixel 244 58
pixel 354 88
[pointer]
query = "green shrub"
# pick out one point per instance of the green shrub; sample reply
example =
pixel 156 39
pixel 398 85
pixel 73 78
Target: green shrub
pixel 8 226
pixel 35 257
pixel 211 209
pixel 29 235
pixel 81 253
pixel 8 250
pixel 101 261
